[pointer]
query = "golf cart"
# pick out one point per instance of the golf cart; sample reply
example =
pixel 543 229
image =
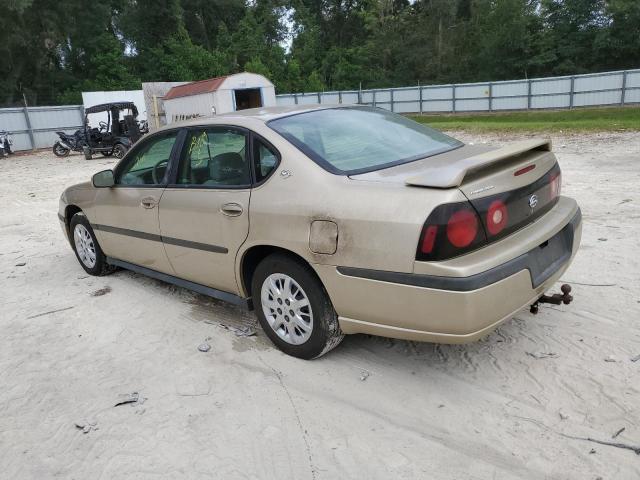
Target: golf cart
pixel 117 134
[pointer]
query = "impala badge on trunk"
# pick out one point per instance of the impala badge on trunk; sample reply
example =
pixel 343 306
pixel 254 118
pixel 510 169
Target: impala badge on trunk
pixel 533 201
pixel 483 189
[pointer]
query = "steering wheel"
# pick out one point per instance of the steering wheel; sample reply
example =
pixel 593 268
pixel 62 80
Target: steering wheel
pixel 155 174
pixel 103 126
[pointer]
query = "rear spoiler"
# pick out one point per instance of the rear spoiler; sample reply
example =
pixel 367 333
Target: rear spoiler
pixel 452 175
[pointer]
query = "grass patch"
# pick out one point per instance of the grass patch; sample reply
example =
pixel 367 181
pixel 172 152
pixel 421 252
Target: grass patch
pixel 579 120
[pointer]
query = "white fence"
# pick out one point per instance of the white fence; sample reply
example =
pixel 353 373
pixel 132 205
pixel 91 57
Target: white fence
pixel 597 89
pixel 36 127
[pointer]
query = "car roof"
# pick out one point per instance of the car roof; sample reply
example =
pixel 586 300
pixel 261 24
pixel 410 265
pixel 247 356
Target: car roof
pixel 270 113
pixel 263 114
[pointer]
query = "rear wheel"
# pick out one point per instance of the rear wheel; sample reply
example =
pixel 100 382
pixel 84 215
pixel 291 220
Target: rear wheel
pixel 59 150
pixel 86 247
pixel 119 150
pixel 293 308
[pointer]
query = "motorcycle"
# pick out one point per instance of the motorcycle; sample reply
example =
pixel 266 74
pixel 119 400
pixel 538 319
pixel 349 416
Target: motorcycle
pixel 69 143
pixel 5 143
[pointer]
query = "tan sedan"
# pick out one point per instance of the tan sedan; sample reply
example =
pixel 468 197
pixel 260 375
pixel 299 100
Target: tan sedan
pixel 333 220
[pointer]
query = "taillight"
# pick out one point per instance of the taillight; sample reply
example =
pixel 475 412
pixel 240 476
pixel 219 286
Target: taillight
pixel 462 228
pixel 429 238
pixel 451 230
pixel 497 217
pixel 454 229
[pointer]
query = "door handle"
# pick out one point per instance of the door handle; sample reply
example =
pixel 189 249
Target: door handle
pixel 148 202
pixel 232 209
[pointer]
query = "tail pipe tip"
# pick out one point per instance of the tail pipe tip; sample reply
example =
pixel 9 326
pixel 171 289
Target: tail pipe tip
pixel 555 299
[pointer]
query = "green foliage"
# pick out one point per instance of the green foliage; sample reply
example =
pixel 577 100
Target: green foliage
pixel 51 51
pixel 255 65
pixel 314 82
pixel 178 59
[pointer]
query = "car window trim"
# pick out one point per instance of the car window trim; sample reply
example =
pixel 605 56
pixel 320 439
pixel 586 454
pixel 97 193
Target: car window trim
pixel 255 136
pixel 177 147
pixel 173 176
pixel 345 173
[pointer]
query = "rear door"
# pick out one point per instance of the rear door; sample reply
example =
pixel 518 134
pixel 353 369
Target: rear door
pixel 127 223
pixel 204 211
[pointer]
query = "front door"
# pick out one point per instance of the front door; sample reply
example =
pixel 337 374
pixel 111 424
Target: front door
pixel 127 222
pixel 204 213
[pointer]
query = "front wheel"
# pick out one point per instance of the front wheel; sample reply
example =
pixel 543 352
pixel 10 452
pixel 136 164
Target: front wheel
pixel 59 150
pixel 293 308
pixel 86 247
pixel 119 150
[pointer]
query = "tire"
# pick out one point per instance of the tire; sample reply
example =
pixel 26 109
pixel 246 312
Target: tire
pixel 314 329
pixel 59 150
pixel 119 150
pixel 86 248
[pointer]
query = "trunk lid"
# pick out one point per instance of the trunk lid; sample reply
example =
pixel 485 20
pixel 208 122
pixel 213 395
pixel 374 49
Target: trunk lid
pixel 506 188
pixel 457 173
pixel 467 167
pixel 511 187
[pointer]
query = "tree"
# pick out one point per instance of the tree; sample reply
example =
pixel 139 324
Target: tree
pixel 571 30
pixel 178 59
pixel 149 23
pixel 501 39
pixel 303 45
pixel 618 45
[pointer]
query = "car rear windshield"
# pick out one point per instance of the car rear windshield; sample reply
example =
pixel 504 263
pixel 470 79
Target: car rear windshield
pixel 361 139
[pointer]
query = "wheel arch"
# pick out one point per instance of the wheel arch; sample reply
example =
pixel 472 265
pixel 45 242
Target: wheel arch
pixel 69 212
pixel 252 257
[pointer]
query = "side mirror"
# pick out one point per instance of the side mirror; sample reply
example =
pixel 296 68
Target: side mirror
pixel 103 179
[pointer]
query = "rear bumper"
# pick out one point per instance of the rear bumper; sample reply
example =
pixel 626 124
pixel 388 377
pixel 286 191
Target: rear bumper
pixel 449 309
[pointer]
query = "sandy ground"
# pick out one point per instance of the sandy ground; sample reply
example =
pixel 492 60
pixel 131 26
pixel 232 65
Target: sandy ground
pixel 374 408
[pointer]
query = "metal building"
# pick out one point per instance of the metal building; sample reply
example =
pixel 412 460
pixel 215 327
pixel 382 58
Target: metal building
pixel 218 95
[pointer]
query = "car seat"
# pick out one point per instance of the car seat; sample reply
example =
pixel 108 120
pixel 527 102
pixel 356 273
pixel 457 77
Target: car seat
pixel 228 169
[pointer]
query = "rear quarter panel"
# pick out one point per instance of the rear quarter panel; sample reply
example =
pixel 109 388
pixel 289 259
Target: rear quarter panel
pixel 379 223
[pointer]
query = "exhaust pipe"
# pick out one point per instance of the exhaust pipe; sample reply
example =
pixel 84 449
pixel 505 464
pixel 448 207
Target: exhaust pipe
pixel 555 299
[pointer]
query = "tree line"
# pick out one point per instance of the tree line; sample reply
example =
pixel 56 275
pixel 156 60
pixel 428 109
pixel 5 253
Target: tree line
pixel 51 50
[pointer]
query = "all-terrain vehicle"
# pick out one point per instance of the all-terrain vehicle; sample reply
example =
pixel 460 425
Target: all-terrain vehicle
pixel 117 134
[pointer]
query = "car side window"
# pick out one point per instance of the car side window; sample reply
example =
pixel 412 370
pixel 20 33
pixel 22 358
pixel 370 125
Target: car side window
pixel 215 157
pixel 265 159
pixel 148 164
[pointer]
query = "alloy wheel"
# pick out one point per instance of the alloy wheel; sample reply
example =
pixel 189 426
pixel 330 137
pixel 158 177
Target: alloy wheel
pixel 84 246
pixel 286 308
